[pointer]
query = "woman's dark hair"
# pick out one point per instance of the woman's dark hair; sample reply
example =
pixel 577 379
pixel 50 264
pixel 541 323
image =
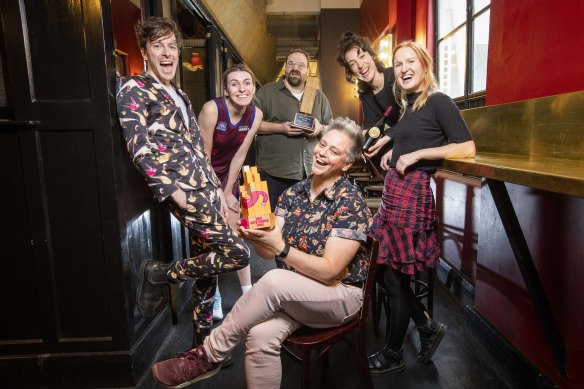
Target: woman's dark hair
pixel 155 28
pixel 350 40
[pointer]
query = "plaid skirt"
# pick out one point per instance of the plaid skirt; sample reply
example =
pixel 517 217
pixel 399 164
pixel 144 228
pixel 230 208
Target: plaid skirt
pixel 405 224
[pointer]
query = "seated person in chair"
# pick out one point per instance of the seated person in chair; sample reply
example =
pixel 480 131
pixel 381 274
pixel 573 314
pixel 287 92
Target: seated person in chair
pixel 322 225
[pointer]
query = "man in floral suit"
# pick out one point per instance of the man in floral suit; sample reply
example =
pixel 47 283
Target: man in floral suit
pixel 163 139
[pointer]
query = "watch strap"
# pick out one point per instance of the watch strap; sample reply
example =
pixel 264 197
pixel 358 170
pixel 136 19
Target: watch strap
pixel 284 252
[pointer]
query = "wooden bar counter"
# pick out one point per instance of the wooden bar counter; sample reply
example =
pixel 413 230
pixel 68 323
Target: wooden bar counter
pixel 555 175
pixel 538 144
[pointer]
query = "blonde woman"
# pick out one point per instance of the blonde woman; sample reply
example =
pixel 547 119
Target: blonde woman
pixel 430 129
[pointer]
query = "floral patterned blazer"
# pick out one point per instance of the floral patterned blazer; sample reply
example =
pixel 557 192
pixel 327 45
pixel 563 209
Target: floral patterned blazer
pixel 168 152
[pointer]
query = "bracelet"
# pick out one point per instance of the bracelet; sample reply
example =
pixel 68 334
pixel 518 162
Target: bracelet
pixel 284 252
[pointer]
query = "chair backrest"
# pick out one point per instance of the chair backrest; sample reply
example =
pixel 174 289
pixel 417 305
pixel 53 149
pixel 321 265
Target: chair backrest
pixel 373 247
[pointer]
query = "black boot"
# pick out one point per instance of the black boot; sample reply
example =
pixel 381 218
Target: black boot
pixel 386 361
pixel 431 334
pixel 152 286
pixel 199 334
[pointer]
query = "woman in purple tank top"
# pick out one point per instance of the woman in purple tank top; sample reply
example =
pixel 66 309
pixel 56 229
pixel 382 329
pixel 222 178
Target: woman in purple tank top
pixel 228 125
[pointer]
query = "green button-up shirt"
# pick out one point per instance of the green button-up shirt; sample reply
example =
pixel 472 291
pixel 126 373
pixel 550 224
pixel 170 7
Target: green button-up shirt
pixel 280 155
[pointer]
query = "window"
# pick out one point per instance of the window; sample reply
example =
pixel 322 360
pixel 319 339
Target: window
pixel 462 48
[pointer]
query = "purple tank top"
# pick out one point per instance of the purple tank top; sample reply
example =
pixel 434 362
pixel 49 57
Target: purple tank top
pixel 227 138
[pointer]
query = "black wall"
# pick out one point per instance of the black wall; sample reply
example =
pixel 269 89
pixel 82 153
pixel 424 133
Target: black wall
pixel 77 219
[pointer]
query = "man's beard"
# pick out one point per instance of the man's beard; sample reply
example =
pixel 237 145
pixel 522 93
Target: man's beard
pixel 294 81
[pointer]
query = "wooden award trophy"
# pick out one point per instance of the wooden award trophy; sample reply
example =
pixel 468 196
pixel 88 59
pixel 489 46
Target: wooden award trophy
pixel 255 202
pixel 304 118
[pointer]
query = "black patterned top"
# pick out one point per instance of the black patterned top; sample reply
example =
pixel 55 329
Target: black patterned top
pixel 168 152
pixel 339 210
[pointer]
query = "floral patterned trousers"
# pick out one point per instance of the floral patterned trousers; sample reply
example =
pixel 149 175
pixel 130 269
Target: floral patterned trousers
pixel 216 247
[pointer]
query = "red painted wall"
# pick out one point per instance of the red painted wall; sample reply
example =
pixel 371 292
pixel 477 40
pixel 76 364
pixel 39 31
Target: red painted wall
pixel 536 49
pixel 374 17
pixel 407 19
pixel 124 16
pixel 553 227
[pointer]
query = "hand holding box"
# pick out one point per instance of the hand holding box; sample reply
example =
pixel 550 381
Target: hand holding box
pixel 255 202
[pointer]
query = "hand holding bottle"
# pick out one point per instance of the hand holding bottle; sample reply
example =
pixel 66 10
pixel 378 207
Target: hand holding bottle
pixel 377 146
pixel 375 131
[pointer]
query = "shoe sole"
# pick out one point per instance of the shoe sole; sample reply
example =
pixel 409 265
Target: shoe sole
pixel 208 374
pixel 217 309
pixel 441 333
pixel 395 369
pixel 389 371
pixel 217 318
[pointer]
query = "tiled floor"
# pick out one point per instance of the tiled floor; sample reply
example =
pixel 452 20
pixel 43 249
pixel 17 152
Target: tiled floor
pixel 460 362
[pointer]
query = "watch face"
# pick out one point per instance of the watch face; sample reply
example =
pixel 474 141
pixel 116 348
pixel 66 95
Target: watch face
pixel 303 121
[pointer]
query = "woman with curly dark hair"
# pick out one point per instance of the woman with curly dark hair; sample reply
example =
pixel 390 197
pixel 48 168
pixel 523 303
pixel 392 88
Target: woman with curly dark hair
pixel 375 83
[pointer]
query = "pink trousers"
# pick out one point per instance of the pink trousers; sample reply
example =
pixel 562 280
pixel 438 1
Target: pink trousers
pixel 279 303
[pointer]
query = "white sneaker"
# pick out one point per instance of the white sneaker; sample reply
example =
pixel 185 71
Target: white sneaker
pixel 217 309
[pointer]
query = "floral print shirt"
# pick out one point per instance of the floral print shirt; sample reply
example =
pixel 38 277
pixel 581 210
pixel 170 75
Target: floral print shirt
pixel 339 210
pixel 168 151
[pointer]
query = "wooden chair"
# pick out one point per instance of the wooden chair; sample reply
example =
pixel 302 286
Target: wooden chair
pixel 306 344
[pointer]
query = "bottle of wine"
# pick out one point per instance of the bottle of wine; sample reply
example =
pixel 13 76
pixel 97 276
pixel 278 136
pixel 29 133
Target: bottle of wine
pixel 375 130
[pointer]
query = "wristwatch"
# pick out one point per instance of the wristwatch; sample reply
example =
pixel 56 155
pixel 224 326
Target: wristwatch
pixel 284 252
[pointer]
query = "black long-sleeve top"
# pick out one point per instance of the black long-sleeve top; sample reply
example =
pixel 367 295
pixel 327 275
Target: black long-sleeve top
pixel 374 104
pixel 438 123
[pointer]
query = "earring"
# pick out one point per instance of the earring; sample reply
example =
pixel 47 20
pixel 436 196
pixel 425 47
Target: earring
pixel 145 65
